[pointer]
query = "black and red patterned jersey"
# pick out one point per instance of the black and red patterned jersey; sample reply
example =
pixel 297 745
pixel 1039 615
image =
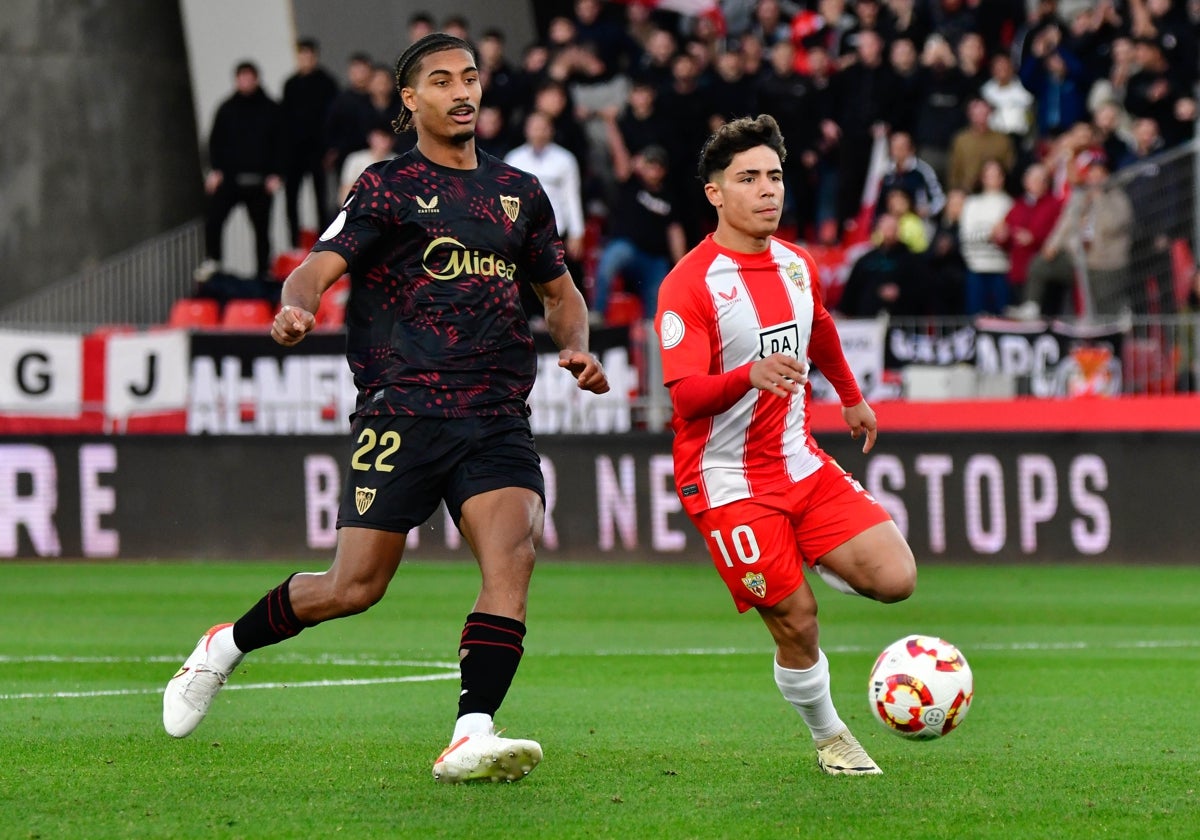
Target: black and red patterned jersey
pixel 434 322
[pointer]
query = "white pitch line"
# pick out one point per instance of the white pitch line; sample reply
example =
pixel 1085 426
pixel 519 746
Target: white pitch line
pixel 698 651
pixel 1006 647
pixel 451 671
pixel 287 660
pixel 124 692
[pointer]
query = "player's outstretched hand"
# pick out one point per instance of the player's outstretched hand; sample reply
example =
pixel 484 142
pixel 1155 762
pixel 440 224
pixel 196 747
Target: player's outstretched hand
pixel 586 369
pixel 779 373
pixel 291 324
pixel 861 420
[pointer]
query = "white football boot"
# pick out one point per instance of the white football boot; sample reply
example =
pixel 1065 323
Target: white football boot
pixel 191 691
pixel 842 755
pixel 487 756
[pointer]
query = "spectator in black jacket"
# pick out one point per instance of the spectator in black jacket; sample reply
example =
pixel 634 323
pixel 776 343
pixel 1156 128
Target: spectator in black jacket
pixel 641 124
pixel 1155 93
pixel 502 84
pixel 599 24
pixel 350 114
pixel 731 94
pixel 384 102
pixel 1175 30
pixel 885 279
pixel 864 95
pixel 910 85
pixel 307 94
pixel 907 172
pixel 798 106
pixel 943 109
pixel 644 236
pixel 245 151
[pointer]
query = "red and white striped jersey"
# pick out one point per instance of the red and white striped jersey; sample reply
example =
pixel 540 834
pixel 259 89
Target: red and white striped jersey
pixel 719 310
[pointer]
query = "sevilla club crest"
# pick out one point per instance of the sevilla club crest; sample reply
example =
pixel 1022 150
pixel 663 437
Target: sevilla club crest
pixel 511 205
pixel 363 496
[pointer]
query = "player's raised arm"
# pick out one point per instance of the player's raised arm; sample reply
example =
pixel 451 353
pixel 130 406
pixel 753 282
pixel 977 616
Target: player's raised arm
pixel 301 296
pixel 567 320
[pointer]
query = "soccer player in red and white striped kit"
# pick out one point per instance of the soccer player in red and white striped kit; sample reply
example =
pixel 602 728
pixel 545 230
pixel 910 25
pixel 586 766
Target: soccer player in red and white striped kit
pixel 738 319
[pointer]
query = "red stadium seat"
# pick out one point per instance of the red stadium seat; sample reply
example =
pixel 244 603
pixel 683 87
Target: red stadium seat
pixel 308 238
pixel 1183 267
pixel 624 308
pixel 331 316
pixel 250 315
pixel 191 313
pixel 105 330
pixel 286 262
pixel 1148 368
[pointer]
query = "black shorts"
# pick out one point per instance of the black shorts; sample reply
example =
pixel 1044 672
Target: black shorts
pixel 402 467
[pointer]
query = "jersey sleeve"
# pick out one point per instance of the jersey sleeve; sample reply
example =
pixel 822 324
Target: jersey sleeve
pixel 694 397
pixel 684 323
pixel 543 259
pixel 367 213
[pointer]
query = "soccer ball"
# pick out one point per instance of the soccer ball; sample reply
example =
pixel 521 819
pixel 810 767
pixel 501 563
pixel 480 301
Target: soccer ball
pixel 920 687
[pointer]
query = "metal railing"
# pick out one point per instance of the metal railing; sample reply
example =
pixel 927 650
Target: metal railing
pixel 136 287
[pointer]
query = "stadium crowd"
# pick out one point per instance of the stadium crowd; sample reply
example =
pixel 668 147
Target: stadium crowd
pixel 943 155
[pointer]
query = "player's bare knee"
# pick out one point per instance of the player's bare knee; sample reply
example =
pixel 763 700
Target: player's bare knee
pixel 899 582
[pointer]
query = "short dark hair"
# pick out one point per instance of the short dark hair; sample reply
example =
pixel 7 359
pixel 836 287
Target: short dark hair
pixel 409 63
pixel 736 137
pixel 310 44
pixel 643 80
pixel 380 124
pixel 246 67
pixel 549 83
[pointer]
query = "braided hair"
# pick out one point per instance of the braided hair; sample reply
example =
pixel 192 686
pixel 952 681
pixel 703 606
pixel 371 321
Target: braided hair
pixel 410 62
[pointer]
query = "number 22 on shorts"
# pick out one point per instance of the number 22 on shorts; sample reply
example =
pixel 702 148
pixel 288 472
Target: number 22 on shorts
pixel 388 442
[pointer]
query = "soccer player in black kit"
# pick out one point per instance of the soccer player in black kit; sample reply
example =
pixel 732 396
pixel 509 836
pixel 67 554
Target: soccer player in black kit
pixel 436 242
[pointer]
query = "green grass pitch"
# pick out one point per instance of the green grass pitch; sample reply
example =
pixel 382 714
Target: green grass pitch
pixel 653 699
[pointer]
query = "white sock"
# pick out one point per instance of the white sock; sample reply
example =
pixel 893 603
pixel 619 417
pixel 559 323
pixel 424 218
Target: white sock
pixel 475 723
pixel 222 652
pixel 808 692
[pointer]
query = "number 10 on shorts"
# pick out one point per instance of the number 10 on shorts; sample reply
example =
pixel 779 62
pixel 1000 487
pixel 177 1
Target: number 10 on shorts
pixel 741 541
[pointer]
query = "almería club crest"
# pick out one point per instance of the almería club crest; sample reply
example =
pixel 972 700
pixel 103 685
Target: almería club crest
pixel 756 583
pixel 798 274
